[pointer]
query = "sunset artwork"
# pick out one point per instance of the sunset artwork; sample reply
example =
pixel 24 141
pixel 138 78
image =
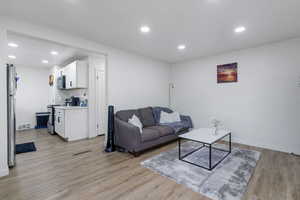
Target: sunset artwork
pixel 227 73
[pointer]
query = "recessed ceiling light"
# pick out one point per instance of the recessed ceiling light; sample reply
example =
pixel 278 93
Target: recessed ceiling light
pixel 45 61
pixel 11 56
pixel 239 29
pixel 11 44
pixel 54 52
pixel 145 29
pixel 181 47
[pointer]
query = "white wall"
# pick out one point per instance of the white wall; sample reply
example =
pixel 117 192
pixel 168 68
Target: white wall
pixel 3 105
pixel 261 109
pixel 33 94
pixel 135 81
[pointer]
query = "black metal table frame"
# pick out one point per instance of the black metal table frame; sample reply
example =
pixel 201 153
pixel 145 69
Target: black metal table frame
pixel 204 145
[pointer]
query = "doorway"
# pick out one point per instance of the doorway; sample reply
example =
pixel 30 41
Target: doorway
pixel 39 64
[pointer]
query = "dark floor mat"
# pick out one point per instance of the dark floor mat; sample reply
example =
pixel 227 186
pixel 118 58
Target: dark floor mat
pixel 26 147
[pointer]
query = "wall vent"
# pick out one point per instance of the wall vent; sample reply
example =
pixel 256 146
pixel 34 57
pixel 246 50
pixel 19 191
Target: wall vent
pixel 83 152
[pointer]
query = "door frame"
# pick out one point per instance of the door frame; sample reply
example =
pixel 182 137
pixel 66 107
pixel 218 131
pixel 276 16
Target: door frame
pixel 92 94
pixel 100 108
pixel 91 52
pixel 44 34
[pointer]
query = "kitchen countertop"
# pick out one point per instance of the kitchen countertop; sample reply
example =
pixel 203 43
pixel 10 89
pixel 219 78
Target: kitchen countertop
pixel 70 107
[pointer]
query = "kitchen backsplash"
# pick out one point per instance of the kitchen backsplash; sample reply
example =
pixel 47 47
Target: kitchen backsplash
pixel 61 95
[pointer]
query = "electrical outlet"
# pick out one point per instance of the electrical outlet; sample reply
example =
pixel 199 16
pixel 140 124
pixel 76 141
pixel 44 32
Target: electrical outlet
pixel 24 126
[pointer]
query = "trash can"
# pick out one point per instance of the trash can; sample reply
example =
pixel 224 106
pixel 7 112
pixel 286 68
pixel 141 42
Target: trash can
pixel 42 119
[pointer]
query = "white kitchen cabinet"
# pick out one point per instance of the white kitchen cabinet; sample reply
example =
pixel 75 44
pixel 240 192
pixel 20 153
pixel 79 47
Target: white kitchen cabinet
pixel 71 123
pixel 76 74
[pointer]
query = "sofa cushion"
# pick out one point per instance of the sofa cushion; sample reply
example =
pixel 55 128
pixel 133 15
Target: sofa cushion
pixel 147 117
pixel 124 115
pixel 149 134
pixel 157 111
pixel 134 120
pixel 169 117
pixel 163 130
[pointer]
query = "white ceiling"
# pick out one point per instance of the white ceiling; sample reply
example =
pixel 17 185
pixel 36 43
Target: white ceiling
pixel 205 26
pixel 32 51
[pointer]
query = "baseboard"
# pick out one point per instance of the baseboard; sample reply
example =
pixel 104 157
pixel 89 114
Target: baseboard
pixel 263 146
pixel 297 155
pixel 24 130
pixel 4 172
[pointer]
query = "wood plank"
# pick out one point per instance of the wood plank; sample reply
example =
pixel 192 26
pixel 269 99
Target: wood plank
pixel 54 173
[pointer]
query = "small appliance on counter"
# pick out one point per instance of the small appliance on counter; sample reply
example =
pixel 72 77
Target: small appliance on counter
pixel 68 102
pixel 75 101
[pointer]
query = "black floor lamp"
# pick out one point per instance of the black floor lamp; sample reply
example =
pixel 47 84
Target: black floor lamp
pixel 110 146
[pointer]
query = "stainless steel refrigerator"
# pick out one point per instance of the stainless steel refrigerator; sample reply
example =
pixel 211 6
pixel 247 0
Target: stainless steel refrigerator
pixel 11 113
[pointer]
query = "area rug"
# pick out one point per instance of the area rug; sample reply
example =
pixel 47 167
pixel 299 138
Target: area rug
pixel 25 148
pixel 228 181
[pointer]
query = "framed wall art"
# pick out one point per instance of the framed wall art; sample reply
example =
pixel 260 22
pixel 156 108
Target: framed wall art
pixel 227 73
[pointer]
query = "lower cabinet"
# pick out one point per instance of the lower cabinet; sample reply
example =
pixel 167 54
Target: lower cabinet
pixel 71 123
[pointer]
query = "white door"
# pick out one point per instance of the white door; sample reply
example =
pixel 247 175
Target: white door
pixel 100 102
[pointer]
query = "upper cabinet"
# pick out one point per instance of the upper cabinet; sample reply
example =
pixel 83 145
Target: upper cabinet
pixel 76 74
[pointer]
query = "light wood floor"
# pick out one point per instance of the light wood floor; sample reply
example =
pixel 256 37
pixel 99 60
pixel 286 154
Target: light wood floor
pixel 54 173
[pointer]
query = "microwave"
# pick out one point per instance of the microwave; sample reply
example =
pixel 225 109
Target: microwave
pixel 61 82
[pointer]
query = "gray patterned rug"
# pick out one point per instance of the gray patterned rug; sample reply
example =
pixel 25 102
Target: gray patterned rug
pixel 228 181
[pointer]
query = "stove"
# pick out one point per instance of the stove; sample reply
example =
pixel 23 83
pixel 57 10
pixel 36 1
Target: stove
pixel 51 121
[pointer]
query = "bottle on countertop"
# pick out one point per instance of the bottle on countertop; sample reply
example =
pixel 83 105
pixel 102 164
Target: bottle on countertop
pixel 84 100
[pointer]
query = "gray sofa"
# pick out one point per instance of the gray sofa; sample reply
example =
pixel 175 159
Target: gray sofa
pixel 129 138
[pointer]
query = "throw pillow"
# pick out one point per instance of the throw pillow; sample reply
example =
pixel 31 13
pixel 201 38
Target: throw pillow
pixel 169 117
pixel 146 116
pixel 134 120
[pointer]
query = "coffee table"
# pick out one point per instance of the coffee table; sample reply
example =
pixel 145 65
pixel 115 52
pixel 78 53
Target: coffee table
pixel 207 138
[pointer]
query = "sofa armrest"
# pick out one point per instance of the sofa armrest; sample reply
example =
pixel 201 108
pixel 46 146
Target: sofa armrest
pixel 187 121
pixel 127 135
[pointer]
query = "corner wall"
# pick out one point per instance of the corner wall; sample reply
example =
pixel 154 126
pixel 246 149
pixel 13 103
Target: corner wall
pixel 262 108
pixel 33 94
